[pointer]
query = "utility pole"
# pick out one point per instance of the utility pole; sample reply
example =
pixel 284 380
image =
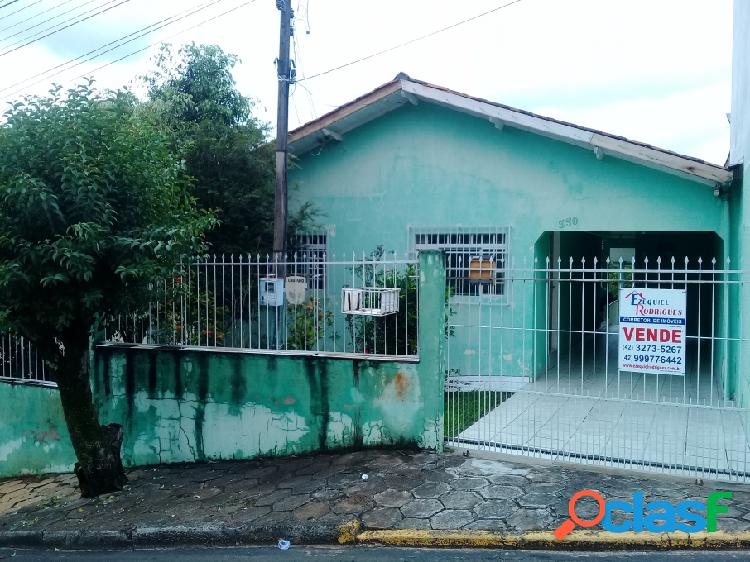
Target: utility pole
pixel 284 77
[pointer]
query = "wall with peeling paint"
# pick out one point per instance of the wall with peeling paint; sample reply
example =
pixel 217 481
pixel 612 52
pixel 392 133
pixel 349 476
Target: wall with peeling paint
pixel 182 404
pixel 196 405
pixel 33 435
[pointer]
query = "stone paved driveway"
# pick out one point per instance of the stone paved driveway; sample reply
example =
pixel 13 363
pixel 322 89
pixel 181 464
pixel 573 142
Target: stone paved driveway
pixel 402 490
pixel 18 493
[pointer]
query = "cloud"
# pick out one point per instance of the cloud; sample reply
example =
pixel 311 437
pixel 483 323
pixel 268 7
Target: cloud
pixel 656 71
pixel 689 121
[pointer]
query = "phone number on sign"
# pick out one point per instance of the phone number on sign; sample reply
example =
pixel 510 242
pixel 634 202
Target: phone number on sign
pixel 653 348
pixel 662 359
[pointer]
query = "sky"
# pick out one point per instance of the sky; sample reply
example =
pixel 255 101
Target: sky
pixel 657 71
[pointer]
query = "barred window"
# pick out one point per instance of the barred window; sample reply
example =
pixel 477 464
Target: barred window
pixel 475 260
pixel 313 249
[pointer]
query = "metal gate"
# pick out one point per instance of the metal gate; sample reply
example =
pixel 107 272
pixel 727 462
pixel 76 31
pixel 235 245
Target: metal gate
pixel 532 365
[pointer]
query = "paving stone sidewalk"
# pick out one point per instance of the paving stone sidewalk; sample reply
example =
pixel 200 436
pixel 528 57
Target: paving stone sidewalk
pixel 403 490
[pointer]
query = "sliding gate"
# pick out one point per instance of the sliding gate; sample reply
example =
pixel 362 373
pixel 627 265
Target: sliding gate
pixel 533 366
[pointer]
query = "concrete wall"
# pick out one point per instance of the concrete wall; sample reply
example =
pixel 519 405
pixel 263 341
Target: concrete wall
pixel 198 405
pixel 179 404
pixel 33 435
pixel 740 115
pixel 739 249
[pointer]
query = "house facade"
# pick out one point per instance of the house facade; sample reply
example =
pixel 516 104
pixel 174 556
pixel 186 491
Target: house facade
pixel 412 166
pixel 414 155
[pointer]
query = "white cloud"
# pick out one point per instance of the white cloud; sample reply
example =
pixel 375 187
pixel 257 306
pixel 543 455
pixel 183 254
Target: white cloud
pixel 688 121
pixel 655 71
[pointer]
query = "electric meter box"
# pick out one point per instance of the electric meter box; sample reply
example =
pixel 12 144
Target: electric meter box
pixel 271 291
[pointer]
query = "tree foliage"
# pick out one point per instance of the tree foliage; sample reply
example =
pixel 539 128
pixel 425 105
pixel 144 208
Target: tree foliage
pixel 94 206
pixel 227 149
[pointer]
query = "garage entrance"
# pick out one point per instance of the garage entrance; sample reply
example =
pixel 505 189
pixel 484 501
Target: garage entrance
pixel 559 340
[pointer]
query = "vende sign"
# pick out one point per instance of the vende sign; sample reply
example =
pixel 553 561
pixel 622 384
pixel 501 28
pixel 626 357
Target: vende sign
pixel 652 331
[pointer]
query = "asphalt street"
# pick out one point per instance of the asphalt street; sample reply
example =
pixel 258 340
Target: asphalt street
pixel 358 554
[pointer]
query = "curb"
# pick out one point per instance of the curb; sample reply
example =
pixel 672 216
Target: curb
pixel 209 535
pixel 351 533
pixel 544 540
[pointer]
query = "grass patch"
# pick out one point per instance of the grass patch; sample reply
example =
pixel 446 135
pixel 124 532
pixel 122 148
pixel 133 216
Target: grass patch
pixel 462 409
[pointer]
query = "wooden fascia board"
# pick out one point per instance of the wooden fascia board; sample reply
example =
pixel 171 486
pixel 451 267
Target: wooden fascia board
pixel 328 120
pixel 616 147
pixel 494 112
pixel 662 159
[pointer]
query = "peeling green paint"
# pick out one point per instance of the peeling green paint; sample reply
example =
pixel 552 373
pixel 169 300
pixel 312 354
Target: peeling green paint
pixel 305 406
pixel 33 435
pixel 179 405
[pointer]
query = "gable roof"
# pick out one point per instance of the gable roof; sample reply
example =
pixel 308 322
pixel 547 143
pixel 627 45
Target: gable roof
pixel 404 89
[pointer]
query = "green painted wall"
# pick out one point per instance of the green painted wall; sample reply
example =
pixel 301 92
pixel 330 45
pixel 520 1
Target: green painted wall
pixel 186 406
pixel 428 166
pixel 33 435
pixel 180 405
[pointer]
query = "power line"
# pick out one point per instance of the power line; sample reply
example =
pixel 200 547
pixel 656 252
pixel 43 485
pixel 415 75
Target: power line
pixel 247 3
pixel 21 9
pixel 150 45
pixel 53 26
pixel 119 42
pixel 298 65
pixel 48 19
pixel 410 41
pixel 30 17
pixel 107 9
pixel 8 4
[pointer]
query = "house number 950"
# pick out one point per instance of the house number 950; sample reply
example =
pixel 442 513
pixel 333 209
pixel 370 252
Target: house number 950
pixel 567 222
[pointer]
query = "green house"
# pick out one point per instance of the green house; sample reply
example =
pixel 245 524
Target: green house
pixel 541 222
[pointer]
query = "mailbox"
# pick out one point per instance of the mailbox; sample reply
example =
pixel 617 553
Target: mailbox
pixel 295 290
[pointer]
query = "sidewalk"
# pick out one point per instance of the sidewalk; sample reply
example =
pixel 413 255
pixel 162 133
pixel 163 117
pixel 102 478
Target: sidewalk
pixel 324 499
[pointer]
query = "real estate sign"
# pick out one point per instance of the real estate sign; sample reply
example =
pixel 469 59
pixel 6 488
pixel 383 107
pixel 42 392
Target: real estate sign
pixel 652 331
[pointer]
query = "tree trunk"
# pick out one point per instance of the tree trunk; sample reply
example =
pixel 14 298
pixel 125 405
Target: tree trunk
pixel 99 467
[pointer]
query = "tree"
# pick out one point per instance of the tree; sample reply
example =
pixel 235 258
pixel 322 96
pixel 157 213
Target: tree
pixel 94 206
pixel 228 150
